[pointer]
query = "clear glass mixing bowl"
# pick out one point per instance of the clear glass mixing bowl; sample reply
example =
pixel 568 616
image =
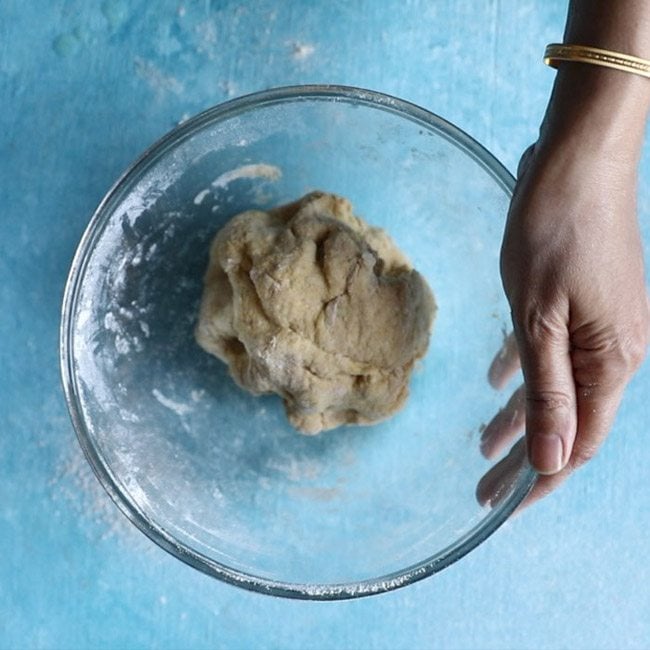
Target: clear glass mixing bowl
pixel 216 476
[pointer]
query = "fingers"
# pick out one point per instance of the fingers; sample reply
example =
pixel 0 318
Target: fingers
pixel 600 379
pixel 505 425
pixel 551 408
pixel 596 413
pixel 505 363
pixel 544 485
pixel 604 361
pixel 500 480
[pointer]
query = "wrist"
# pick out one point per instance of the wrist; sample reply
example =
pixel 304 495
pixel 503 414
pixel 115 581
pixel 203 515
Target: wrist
pixel 600 111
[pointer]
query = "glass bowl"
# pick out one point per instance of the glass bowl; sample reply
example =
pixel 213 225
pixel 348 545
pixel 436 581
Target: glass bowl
pixel 216 476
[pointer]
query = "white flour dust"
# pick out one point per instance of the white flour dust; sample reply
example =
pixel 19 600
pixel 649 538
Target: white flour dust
pixel 176 407
pixel 259 170
pixel 262 171
pixel 198 199
pixel 128 324
pixel 75 486
pixel 157 80
pixel 301 51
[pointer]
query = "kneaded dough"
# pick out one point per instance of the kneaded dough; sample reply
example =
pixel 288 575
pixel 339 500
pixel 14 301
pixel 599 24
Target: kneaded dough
pixel 310 302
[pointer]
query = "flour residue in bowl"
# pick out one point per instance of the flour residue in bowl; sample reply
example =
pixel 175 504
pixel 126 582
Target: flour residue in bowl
pixel 178 407
pixel 257 170
pixel 262 171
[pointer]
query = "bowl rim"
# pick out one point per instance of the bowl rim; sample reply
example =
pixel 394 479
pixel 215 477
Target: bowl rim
pixel 335 591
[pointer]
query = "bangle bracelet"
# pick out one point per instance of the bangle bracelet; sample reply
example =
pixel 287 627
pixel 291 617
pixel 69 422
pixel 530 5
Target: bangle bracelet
pixel 556 52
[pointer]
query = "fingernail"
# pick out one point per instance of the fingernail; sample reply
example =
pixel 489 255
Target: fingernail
pixel 546 453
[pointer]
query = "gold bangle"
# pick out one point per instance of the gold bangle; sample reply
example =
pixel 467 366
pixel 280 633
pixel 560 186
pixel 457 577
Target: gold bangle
pixel 556 52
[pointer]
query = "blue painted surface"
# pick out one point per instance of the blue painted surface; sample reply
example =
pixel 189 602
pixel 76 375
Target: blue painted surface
pixel 84 88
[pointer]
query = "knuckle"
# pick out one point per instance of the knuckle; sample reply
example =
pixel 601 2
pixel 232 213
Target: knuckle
pixel 612 360
pixel 537 326
pixel 599 370
pixel 635 351
pixel 631 347
pixel 624 356
pixel 548 400
pixel 534 324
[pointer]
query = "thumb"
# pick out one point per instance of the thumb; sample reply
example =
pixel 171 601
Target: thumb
pixel 551 408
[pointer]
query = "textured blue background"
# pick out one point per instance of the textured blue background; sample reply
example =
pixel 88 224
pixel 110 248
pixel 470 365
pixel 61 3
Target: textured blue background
pixel 84 88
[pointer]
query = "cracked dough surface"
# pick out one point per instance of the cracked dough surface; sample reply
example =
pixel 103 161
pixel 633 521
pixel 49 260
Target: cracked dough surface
pixel 310 302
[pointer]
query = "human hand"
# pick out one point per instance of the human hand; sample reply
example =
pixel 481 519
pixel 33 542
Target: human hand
pixel 572 269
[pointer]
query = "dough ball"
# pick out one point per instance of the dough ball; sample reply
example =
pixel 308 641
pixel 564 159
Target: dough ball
pixel 310 302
